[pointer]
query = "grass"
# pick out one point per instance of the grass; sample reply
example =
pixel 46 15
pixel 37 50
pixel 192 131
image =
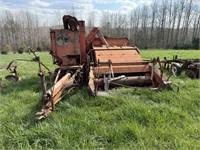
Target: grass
pixel 133 119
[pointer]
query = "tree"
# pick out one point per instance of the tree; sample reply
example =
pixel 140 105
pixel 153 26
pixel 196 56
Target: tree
pixel 153 19
pixel 91 20
pixel 180 14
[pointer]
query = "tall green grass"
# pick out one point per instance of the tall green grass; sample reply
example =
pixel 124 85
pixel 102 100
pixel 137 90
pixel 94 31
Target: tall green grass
pixel 132 119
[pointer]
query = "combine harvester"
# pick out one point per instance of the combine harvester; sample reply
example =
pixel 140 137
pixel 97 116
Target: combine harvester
pixel 100 63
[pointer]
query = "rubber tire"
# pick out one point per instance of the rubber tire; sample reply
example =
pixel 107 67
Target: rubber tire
pixel 176 69
pixel 191 74
pixel 12 78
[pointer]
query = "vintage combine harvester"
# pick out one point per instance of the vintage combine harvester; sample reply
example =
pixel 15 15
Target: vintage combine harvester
pixel 101 63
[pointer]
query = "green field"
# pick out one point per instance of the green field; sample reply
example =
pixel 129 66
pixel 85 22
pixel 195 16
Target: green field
pixel 133 119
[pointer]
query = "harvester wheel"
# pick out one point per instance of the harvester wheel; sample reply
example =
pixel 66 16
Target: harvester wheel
pixel 191 74
pixel 176 69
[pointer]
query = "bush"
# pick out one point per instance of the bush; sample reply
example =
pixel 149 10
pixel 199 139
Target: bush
pixel 6 49
pixel 38 49
pixel 4 52
pixel 22 49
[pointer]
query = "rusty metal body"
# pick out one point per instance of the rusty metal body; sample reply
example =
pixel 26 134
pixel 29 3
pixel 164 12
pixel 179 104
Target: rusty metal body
pixel 68 46
pixel 120 64
pixel 101 63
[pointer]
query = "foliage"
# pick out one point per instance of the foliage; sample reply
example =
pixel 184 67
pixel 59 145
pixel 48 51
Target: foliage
pixel 22 48
pixel 195 43
pixel 3 52
pixel 6 49
pixel 132 119
pixel 38 49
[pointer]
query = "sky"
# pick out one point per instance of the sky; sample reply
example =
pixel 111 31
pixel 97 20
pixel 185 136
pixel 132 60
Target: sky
pixel 51 9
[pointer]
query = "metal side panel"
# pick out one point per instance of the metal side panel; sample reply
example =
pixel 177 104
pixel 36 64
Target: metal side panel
pixel 118 56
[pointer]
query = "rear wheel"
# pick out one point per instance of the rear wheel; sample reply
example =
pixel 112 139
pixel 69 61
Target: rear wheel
pixel 191 74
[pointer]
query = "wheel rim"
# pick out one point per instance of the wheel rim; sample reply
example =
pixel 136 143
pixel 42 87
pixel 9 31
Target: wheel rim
pixel 174 70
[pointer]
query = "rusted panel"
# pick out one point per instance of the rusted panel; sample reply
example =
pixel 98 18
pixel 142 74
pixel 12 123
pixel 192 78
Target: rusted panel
pixel 122 69
pixel 114 48
pixel 64 45
pixel 90 37
pixel 126 63
pixel 118 56
pixel 111 41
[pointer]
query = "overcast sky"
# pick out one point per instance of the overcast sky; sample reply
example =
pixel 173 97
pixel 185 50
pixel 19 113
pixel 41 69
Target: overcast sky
pixel 50 9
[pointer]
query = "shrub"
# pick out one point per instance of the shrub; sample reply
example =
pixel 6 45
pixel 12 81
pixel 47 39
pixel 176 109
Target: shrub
pixel 38 49
pixel 22 49
pixel 4 52
pixel 6 49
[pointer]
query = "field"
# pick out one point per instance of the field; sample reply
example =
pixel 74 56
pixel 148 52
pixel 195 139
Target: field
pixel 133 119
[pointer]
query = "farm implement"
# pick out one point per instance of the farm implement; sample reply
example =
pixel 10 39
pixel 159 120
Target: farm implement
pixel 13 77
pixel 177 66
pixel 99 62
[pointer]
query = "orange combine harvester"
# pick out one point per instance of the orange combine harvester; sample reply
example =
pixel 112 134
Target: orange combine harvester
pixel 99 62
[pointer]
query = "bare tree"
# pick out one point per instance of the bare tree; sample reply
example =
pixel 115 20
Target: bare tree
pixel 153 15
pixel 180 14
pixel 187 20
pixel 174 15
pixel 91 20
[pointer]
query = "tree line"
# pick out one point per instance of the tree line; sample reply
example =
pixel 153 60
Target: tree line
pixel 17 31
pixel 166 24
